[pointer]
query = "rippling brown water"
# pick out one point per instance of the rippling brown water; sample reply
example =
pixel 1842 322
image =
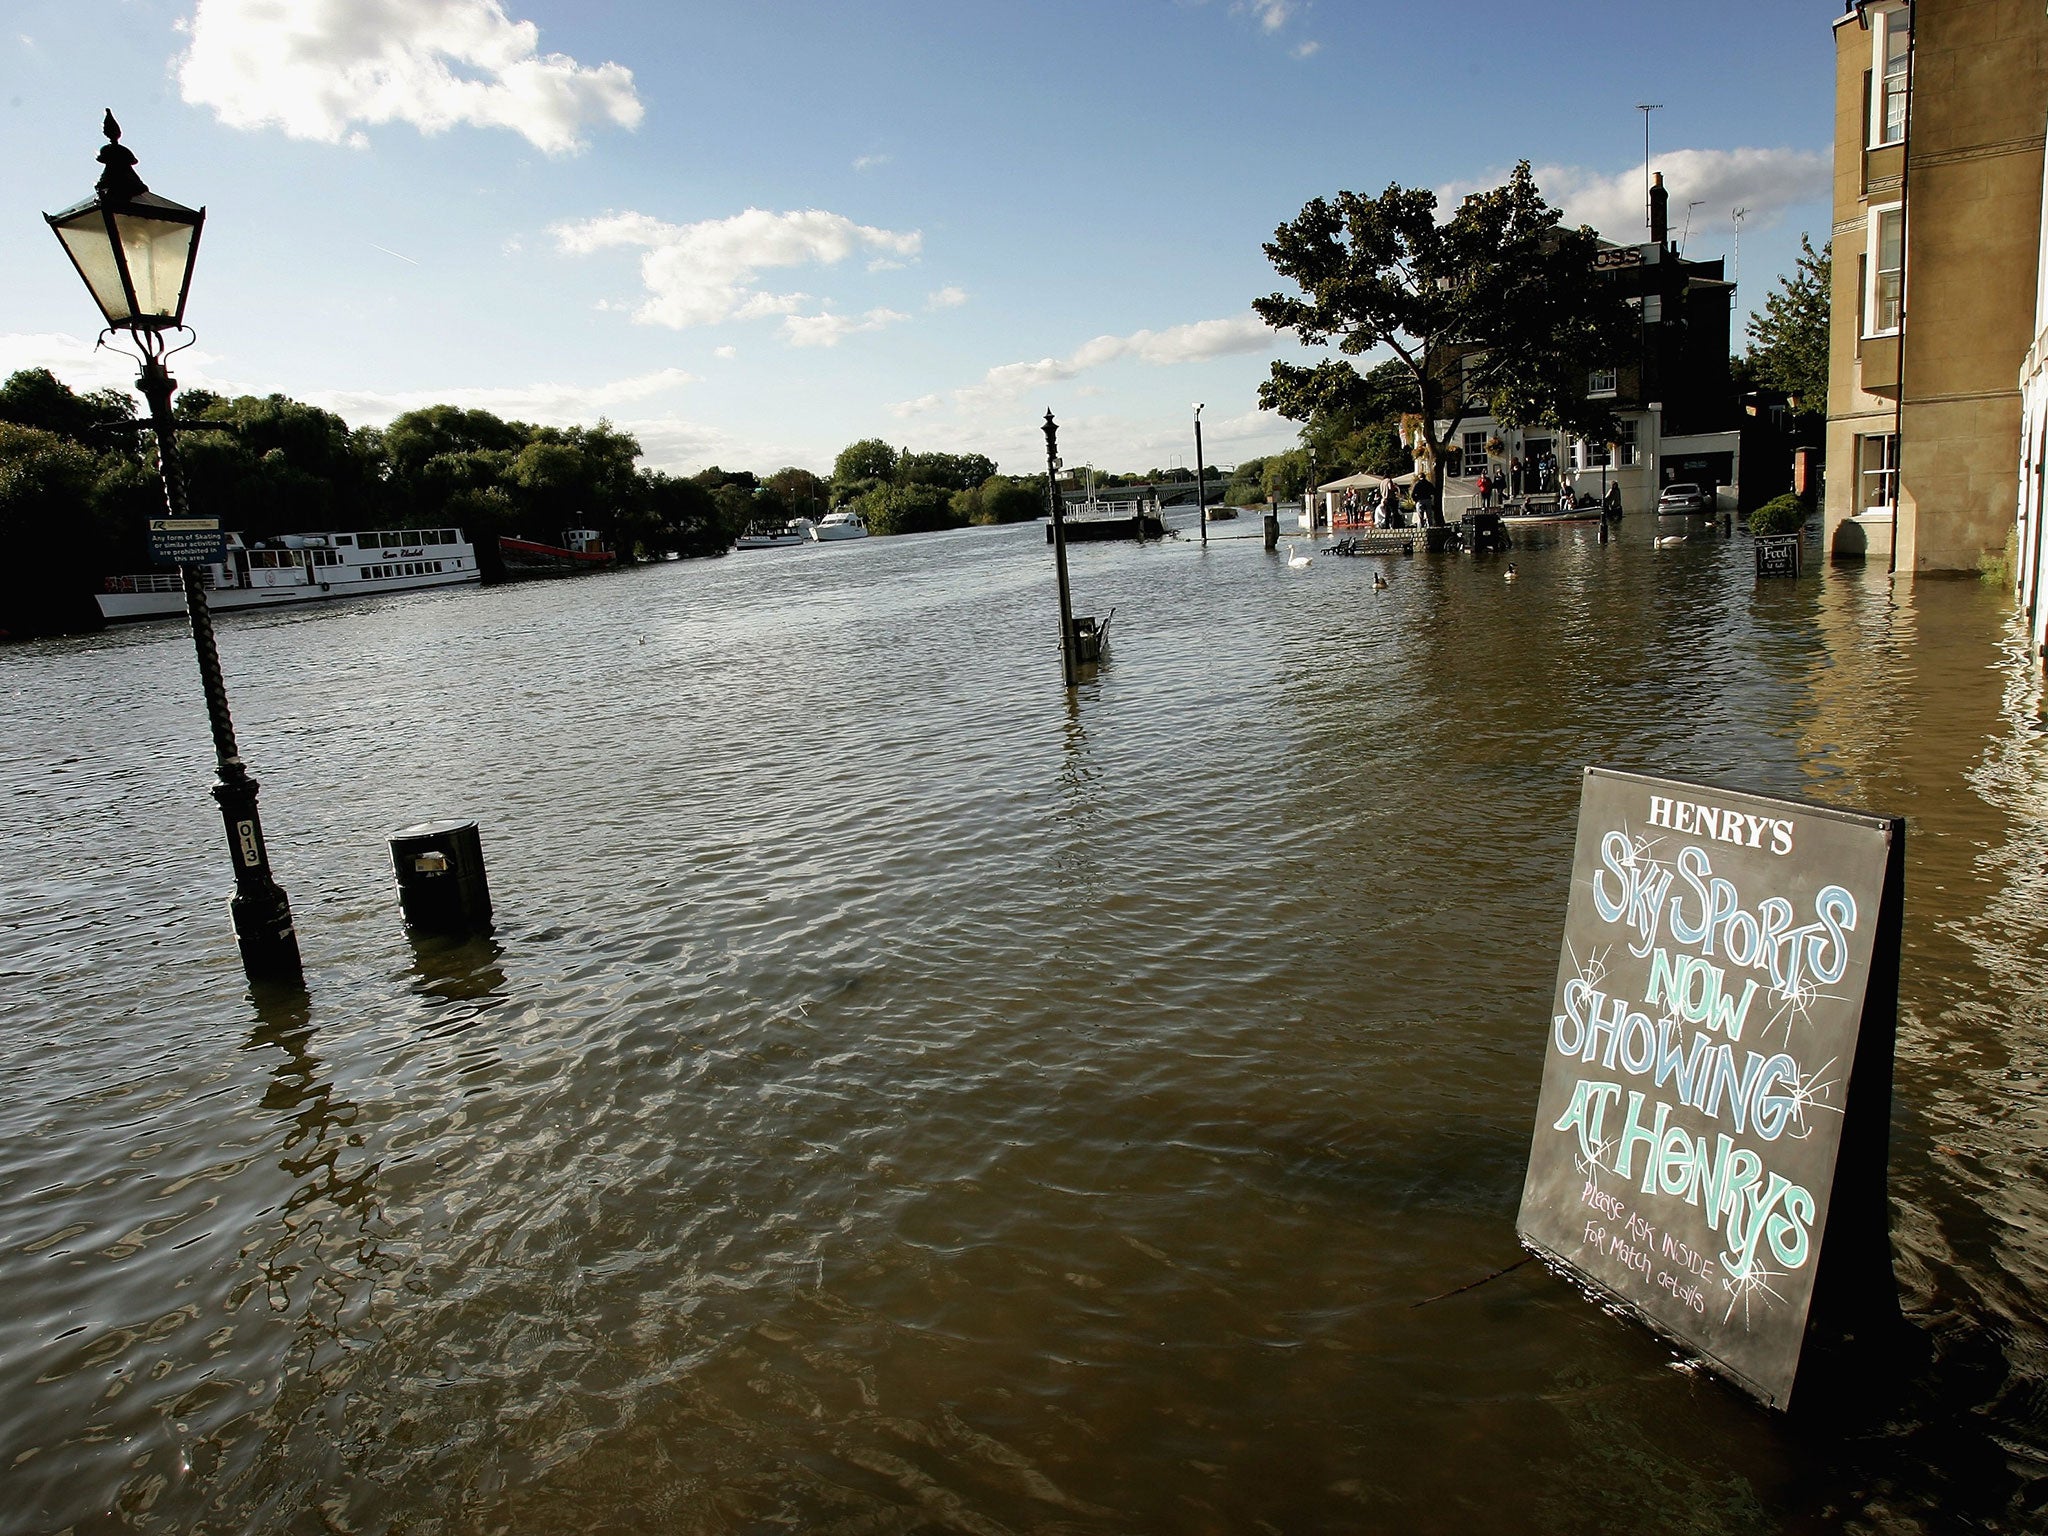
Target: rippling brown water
pixel 899 1096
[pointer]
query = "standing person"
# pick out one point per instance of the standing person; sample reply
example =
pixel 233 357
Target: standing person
pixel 1611 507
pixel 1515 476
pixel 1485 490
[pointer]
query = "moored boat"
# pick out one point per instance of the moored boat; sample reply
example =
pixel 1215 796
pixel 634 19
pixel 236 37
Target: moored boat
pixel 580 550
pixel 844 523
pixel 775 535
pixel 302 568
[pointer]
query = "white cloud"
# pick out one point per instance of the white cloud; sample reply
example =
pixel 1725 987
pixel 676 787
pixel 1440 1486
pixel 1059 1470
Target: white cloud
pixel 1272 14
pixel 1193 342
pixel 869 162
pixel 81 364
pixel 317 68
pixel 828 330
pixel 701 274
pixel 950 297
pixel 1766 181
pixel 1307 50
pixel 727 353
pixel 547 404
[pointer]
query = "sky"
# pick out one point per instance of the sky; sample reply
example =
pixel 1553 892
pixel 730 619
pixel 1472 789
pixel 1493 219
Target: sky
pixel 752 233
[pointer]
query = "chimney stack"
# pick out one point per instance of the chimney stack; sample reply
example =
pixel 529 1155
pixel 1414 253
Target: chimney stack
pixel 1660 223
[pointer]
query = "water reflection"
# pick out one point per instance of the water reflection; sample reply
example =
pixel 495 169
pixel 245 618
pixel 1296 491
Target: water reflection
pixel 941 1098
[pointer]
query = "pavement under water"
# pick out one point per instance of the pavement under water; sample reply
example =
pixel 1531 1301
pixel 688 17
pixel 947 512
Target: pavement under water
pixel 902 1095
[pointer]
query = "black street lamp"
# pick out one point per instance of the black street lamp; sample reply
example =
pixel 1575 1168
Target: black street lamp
pixel 1069 662
pixel 134 250
pixel 1201 490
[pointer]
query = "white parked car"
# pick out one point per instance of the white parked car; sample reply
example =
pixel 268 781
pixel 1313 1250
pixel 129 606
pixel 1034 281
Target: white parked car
pixel 1683 496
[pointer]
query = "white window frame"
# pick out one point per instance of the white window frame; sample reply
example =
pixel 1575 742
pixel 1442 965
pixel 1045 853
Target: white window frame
pixel 1653 308
pixel 1602 382
pixel 1625 439
pixel 1873 232
pixel 1472 448
pixel 1587 454
pixel 1885 476
pixel 1885 22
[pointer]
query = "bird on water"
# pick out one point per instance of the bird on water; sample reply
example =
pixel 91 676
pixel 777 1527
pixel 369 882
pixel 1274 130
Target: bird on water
pixel 1510 573
pixel 1379 581
pixel 1295 559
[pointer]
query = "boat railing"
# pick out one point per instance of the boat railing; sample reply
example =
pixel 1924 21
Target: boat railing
pixel 158 581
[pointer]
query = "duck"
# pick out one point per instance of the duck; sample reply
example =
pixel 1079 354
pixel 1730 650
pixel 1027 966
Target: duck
pixel 1670 539
pixel 1294 559
pixel 1379 581
pixel 1510 573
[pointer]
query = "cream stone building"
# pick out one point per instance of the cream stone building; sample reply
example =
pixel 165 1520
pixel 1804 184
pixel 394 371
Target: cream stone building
pixel 1939 114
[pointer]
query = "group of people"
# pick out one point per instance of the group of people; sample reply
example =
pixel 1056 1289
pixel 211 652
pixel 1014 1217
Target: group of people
pixel 1380 509
pixel 1538 477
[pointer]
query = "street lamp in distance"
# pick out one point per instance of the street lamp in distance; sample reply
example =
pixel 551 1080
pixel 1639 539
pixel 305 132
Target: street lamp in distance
pixel 134 251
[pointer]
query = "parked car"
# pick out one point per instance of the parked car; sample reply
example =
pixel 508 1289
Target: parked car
pixel 1683 496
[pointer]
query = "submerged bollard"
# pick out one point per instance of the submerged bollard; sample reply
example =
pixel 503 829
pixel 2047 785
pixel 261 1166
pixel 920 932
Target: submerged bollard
pixel 442 887
pixel 1272 530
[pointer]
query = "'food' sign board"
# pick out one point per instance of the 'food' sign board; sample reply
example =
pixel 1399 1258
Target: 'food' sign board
pixel 1718 1075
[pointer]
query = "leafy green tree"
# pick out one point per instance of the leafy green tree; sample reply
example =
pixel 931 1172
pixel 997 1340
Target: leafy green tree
pixel 46 483
pixel 868 459
pixel 1001 499
pixel 35 397
pixel 1788 342
pixel 1385 273
pixel 908 509
pixel 684 515
pixel 950 471
pixel 803 492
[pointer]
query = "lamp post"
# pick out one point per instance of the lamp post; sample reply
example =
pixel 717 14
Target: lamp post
pixel 1069 665
pixel 1201 496
pixel 134 250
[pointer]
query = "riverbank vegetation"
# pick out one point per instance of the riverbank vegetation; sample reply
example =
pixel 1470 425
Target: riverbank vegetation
pixel 78 485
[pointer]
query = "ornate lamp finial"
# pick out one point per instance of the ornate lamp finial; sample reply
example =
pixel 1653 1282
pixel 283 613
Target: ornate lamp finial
pixel 117 178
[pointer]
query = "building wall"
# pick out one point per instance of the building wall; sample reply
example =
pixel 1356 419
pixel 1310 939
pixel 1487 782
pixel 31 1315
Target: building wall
pixel 1972 186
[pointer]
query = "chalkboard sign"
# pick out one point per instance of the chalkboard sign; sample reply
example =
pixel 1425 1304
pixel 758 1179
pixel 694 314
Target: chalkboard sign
pixel 1777 554
pixel 186 540
pixel 1717 1082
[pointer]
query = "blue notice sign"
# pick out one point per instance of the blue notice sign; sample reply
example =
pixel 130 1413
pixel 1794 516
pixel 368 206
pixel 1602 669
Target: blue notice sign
pixel 186 540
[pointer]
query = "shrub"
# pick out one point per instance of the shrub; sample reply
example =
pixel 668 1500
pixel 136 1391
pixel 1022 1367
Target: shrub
pixel 1781 514
pixel 908 509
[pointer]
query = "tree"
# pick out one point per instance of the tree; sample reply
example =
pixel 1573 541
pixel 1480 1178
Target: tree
pixel 1788 342
pixel 1001 499
pixel 1502 272
pixel 908 509
pixel 35 397
pixel 949 471
pixel 868 459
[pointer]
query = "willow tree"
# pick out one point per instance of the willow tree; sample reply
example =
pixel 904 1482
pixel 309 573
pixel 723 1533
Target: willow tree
pixel 1496 310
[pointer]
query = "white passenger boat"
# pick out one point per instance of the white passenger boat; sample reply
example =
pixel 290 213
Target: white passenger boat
pixel 302 568
pixel 775 536
pixel 842 524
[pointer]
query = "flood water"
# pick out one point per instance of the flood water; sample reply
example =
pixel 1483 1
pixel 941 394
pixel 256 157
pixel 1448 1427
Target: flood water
pixel 899 1095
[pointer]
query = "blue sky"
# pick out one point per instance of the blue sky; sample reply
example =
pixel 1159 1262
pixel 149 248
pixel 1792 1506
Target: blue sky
pixel 751 234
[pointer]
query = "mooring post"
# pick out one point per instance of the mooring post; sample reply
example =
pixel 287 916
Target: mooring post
pixel 1059 546
pixel 1201 492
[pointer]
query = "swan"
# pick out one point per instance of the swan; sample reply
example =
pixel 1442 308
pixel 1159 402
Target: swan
pixel 1670 539
pixel 1294 559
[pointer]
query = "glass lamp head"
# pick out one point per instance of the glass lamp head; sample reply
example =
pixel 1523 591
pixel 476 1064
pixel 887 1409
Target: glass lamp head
pixel 133 248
